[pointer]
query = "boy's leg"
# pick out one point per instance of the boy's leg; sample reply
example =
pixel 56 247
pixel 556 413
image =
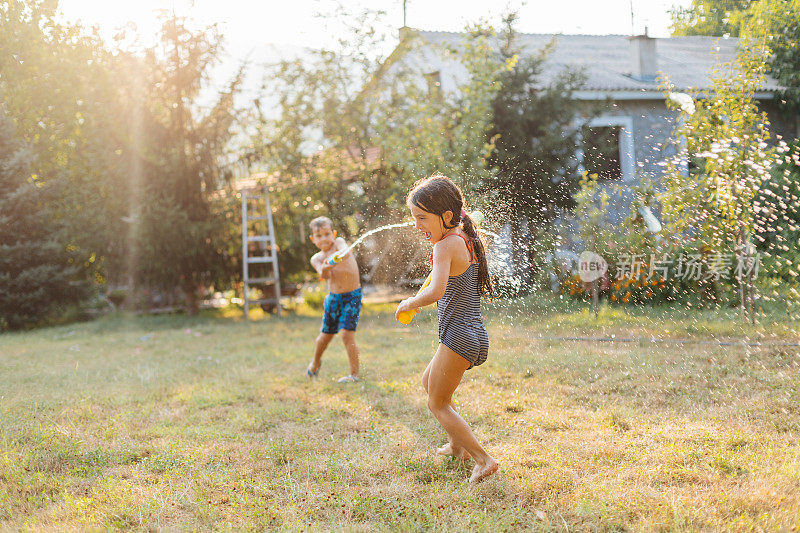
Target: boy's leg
pixel 348 321
pixel 349 339
pixel 446 372
pixel 323 339
pixel 330 316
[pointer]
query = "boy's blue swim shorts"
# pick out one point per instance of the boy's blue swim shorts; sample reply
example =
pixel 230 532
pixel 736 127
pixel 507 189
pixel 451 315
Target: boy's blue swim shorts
pixel 341 311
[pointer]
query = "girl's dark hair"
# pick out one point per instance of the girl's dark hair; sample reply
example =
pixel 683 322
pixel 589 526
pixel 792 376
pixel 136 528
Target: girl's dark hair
pixel 438 194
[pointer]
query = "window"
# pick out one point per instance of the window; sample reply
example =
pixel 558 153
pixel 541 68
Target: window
pixel 601 153
pixel 434 80
pixel 607 148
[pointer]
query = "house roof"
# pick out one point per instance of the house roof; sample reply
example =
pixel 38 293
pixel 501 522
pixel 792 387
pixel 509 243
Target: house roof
pixel 606 59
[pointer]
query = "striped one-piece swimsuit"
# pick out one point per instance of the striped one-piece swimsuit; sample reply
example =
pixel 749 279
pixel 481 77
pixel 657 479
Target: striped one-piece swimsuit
pixel 460 323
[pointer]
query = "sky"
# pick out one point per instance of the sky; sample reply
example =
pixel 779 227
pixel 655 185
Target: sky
pixel 264 31
pixel 293 22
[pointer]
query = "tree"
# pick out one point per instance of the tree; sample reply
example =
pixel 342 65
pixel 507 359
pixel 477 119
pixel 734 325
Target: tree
pixel 376 129
pixel 535 132
pixel 776 24
pixel 315 146
pixel 122 144
pixel 715 206
pixel 179 235
pixel 778 221
pixel 55 91
pixel 423 129
pixel 709 17
pixel 39 275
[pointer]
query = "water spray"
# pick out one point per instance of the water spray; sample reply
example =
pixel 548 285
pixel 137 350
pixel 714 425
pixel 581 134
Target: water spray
pixel 338 256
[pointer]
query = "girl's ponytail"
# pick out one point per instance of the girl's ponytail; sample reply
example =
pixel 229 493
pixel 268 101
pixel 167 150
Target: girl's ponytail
pixel 484 278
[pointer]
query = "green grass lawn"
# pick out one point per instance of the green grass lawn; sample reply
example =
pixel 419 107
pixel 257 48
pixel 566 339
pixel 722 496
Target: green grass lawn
pixel 209 423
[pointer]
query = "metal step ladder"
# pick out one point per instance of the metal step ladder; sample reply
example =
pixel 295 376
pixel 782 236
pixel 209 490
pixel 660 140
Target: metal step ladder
pixel 266 243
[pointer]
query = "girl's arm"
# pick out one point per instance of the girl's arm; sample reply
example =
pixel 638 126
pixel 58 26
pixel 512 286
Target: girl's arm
pixel 442 257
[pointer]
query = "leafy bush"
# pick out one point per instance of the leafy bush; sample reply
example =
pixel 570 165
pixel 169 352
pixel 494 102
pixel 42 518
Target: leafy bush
pixel 314 296
pixel 574 287
pixel 640 288
pixel 117 297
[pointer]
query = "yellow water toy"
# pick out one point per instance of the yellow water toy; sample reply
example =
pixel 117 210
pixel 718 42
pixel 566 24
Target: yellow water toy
pixel 405 317
pixel 337 257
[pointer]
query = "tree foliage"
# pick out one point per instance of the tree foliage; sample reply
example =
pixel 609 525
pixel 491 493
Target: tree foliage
pixel 118 136
pixel 709 17
pixel 776 24
pixel 715 205
pixel 778 219
pixel 39 275
pixel 314 149
pixel 55 91
pixel 535 130
pixel 355 130
pixel 426 129
pixel 179 233
pixel 773 23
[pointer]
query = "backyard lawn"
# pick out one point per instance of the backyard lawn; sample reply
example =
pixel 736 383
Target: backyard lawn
pixel 210 423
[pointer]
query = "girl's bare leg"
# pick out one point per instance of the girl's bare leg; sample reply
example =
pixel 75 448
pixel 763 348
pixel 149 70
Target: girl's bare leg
pixel 446 371
pixel 447 449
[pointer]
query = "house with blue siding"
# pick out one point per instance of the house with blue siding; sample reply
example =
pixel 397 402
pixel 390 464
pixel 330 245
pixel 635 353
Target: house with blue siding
pixel 622 80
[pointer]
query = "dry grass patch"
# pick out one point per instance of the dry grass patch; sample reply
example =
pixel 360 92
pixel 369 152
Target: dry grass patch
pixel 210 423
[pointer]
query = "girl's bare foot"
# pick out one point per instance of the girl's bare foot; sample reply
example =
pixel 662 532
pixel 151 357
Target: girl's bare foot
pixel 458 453
pixel 481 472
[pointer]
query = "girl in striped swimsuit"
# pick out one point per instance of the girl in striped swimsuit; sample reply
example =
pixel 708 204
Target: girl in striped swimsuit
pixel 460 276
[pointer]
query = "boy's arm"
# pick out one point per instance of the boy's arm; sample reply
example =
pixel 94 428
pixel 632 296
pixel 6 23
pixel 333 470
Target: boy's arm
pixel 341 244
pixel 323 270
